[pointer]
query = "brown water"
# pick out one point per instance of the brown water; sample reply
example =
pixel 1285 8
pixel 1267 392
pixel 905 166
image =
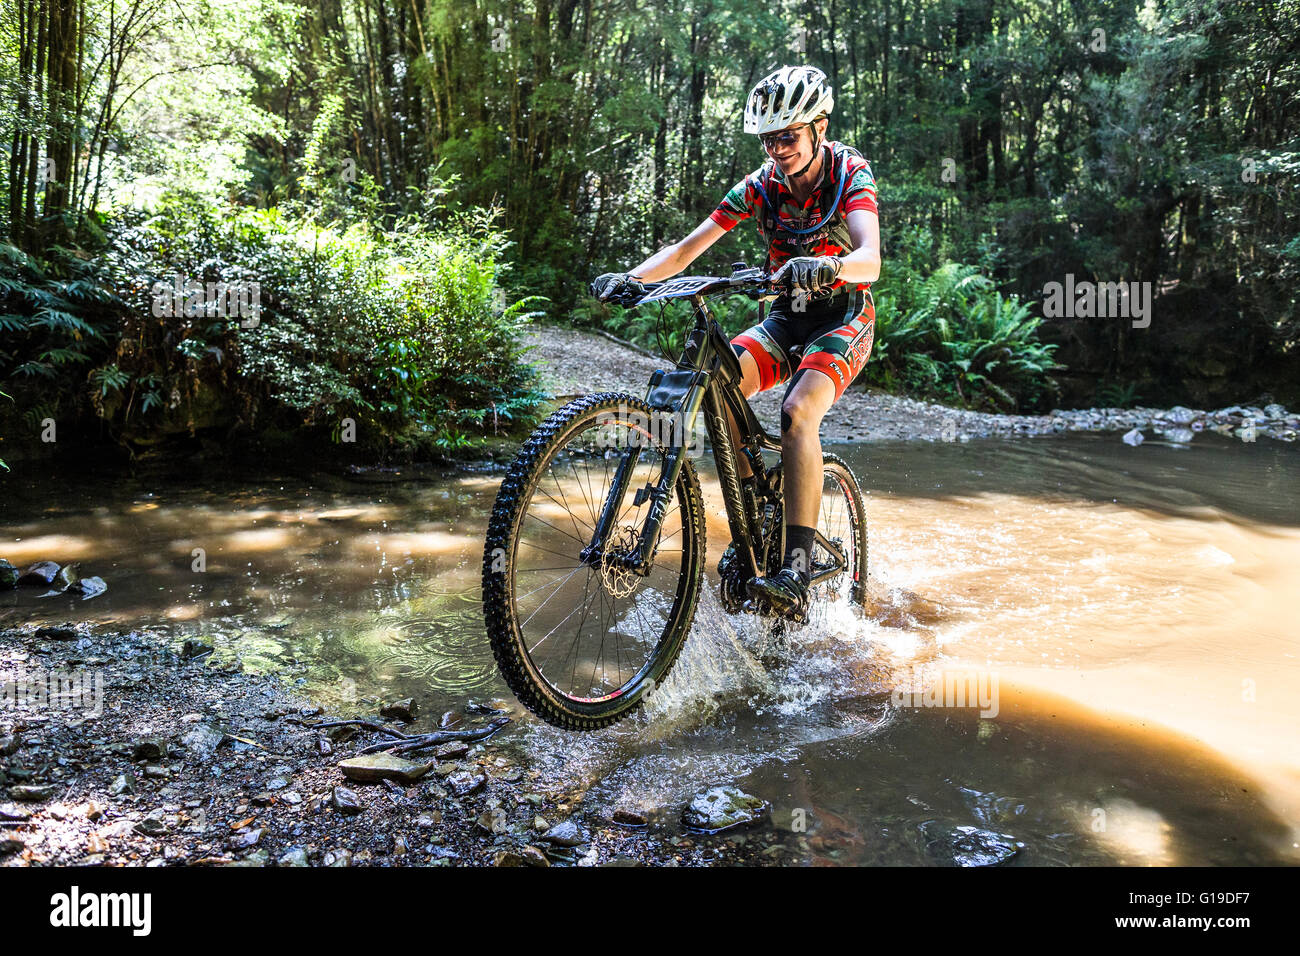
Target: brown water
pixel 1134 609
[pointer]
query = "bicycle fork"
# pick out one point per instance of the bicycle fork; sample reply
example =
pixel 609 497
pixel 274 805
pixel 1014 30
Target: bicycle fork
pixel 659 493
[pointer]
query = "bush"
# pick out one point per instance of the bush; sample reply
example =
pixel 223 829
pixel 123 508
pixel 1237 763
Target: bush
pixel 405 332
pixel 954 338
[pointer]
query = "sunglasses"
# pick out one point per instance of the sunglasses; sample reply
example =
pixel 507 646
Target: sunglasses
pixel 786 137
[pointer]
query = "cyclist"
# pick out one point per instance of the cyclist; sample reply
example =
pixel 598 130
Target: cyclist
pixel 814 201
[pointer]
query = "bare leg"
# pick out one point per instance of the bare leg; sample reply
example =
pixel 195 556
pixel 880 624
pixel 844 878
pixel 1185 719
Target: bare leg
pixel 801 447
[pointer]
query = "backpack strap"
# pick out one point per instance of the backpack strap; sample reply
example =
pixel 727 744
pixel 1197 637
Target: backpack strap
pixel 775 225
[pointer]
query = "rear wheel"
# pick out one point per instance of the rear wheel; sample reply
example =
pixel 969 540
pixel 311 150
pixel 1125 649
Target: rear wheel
pixel 842 522
pixel 579 636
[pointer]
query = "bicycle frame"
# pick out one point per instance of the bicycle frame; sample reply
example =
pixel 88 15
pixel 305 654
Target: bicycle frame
pixel 708 379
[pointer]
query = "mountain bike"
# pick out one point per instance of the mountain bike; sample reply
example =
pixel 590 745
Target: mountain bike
pixel 595 549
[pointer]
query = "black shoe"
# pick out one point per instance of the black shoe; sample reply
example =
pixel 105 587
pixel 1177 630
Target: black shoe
pixel 785 591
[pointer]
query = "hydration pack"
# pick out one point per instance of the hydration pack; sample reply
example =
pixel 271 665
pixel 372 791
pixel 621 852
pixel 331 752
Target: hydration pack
pixel 830 223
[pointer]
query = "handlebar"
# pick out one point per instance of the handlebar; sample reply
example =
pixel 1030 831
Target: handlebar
pixel 751 282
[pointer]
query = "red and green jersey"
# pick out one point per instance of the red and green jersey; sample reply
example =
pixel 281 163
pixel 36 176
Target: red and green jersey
pixel 744 200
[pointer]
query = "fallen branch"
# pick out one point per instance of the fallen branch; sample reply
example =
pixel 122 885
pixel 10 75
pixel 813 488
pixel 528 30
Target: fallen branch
pixel 366 724
pixel 423 741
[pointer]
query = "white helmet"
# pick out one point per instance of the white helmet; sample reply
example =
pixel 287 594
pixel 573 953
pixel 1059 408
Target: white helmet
pixel 790 95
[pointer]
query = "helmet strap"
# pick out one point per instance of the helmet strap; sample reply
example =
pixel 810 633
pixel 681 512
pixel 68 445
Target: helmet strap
pixel 817 147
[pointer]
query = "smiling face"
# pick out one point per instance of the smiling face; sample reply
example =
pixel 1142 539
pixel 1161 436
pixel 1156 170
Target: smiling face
pixel 793 156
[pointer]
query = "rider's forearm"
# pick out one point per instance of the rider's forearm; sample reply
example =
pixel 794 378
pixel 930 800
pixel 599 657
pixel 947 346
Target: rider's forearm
pixel 860 265
pixel 664 263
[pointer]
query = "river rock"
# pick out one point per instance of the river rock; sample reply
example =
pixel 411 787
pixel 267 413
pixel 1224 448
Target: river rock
pixel 242 841
pixel 723 807
pixel 968 846
pixel 202 741
pixel 465 783
pixel 1180 435
pixel 534 856
pixel 9 575
pixel 154 824
pixel 67 577
pixel 453 750
pixel 193 649
pixel 404 710
pixel 629 818
pixel 345 801
pixel 12 813
pixel 372 768
pixel 10 844
pixel 40 573
pixel 58 632
pixel 149 748
pixel 509 858
pixel 1134 437
pixel 31 793
pixel 295 857
pixel 565 833
pixel 91 587
pixel 1274 411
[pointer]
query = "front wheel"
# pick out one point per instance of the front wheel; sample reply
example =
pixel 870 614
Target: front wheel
pixel 580 636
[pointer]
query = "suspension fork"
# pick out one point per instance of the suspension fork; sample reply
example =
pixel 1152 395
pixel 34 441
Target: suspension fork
pixel 680 424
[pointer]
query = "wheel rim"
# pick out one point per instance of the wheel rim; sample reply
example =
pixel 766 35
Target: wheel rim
pixel 591 631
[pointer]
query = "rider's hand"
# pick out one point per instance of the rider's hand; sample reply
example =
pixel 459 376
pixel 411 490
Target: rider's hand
pixel 809 274
pixel 618 287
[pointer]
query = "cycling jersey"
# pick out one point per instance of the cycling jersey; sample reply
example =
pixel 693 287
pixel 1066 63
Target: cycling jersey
pixel 744 200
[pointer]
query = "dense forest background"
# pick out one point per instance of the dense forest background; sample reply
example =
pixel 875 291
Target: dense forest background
pixel 405 182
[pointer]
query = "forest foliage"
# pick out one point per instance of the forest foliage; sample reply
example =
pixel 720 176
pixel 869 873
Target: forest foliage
pixel 399 175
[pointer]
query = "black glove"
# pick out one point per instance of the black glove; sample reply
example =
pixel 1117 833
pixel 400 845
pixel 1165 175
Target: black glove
pixel 617 287
pixel 809 274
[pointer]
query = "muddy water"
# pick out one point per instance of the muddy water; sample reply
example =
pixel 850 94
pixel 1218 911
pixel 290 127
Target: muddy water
pixel 1123 621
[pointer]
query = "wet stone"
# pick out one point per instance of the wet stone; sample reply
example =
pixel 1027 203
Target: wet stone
pixel 404 710
pixel 534 856
pixel 31 793
pixel 150 748
pixel 242 841
pixel 629 818
pixel 723 807
pixel 295 857
pixel 968 846
pixel 565 834
pixel 372 768
pixel 465 783
pixel 40 573
pixel 202 741
pixel 345 801
pixel 453 750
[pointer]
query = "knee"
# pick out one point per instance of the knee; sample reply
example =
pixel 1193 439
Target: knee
pixel 797 416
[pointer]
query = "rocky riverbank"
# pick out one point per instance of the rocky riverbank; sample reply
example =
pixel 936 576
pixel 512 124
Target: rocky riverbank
pixel 118 749
pixel 573 362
